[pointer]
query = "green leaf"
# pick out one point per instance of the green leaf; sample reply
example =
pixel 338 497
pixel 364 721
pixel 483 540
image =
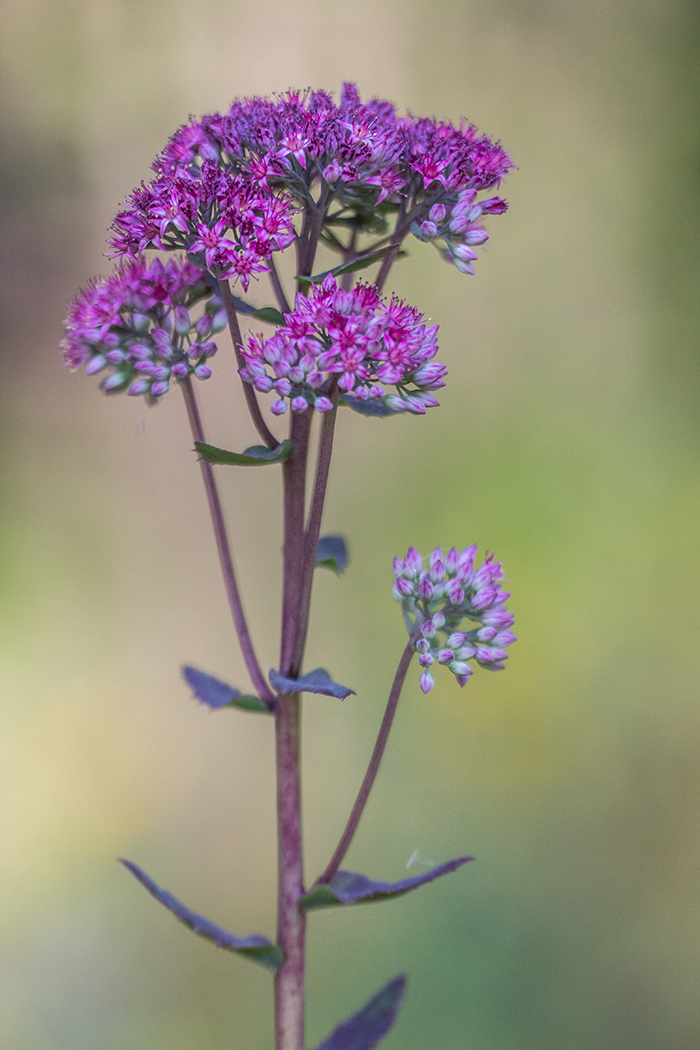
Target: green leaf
pixel 368 408
pixel 256 948
pixel 332 553
pixel 216 694
pixel 255 456
pixel 266 313
pixel 361 263
pixel 350 887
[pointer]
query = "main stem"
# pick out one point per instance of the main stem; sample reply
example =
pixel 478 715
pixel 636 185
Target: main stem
pixel 291 924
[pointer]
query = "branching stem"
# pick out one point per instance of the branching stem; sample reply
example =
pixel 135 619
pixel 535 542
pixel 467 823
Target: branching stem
pixel 251 400
pixel 373 768
pixel 224 549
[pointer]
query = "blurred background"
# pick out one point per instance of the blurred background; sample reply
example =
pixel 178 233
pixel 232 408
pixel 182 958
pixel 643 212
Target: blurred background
pixel 567 442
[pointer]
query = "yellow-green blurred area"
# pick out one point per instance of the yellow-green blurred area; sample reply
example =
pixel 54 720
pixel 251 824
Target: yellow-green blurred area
pixel 567 442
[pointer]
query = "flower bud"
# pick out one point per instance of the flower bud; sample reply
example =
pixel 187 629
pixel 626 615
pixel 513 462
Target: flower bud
pixel 140 322
pixel 428 629
pixel 204 326
pixel 428 229
pixel 437 212
pixel 278 407
pixel 299 404
pixel 180 369
pixel 426 681
pixel 141 386
pixel 476 236
pixel 203 372
pixel 425 659
pixel 323 404
pixel 425 589
pixel 455 640
pixel 182 320
pixel 445 656
pixel 219 322
pixel 160 388
pixel 422 645
pixel 413 563
pixel 460 668
pixel 95 364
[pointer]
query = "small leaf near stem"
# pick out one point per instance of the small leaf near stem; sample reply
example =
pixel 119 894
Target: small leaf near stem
pixel 215 694
pixel 373 768
pixel 257 949
pixel 366 1029
pixel 360 263
pixel 332 553
pixel 255 456
pixel 224 550
pixel 317 681
pixel 251 400
pixel 349 887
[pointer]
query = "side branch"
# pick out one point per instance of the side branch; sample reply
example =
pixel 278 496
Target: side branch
pixel 224 549
pixel 313 528
pixel 373 768
pixel 251 400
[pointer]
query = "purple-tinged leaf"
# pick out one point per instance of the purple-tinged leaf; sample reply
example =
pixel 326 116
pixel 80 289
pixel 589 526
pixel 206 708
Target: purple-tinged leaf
pixel 255 456
pixel 256 948
pixel 349 887
pixel 318 681
pixel 332 553
pixel 367 408
pixel 215 693
pixel 267 313
pixel 365 1029
pixel 361 263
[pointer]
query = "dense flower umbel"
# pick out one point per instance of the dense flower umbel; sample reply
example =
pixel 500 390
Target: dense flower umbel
pixel 363 340
pixel 438 599
pixel 137 324
pixel 225 184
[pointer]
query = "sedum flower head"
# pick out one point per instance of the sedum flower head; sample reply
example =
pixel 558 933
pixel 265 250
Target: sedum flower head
pixel 227 186
pixel 136 326
pixel 362 341
pixel 438 598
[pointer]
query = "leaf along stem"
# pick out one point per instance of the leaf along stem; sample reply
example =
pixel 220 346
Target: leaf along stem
pixel 373 768
pixel 224 549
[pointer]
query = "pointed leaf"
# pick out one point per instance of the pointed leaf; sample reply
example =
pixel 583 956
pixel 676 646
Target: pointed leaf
pixel 361 263
pixel 215 693
pixel 255 456
pixel 318 681
pixel 256 948
pixel 332 553
pixel 368 408
pixel 349 887
pixel 266 313
pixel 365 1029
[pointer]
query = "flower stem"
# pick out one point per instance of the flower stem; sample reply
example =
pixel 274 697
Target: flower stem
pixel 313 528
pixel 373 768
pixel 224 549
pixel 251 400
pixel 291 920
pixel 277 288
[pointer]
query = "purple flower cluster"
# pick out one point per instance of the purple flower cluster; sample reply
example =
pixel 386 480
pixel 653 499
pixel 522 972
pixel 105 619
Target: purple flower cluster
pixel 225 185
pixel 356 336
pixel 437 601
pixel 458 227
pixel 227 222
pixel 137 324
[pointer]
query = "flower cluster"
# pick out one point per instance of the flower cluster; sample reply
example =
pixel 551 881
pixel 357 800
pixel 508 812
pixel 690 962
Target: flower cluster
pixel 356 336
pixel 225 184
pixel 436 601
pixel 227 222
pixel 458 227
pixel 137 324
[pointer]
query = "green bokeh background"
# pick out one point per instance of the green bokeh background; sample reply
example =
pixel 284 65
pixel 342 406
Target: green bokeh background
pixel 567 441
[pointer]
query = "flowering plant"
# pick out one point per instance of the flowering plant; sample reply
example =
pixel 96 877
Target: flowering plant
pixel 232 191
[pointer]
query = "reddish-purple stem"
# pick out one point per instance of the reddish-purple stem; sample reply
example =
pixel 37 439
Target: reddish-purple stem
pixel 373 768
pixel 313 528
pixel 291 919
pixel 224 549
pixel 251 400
